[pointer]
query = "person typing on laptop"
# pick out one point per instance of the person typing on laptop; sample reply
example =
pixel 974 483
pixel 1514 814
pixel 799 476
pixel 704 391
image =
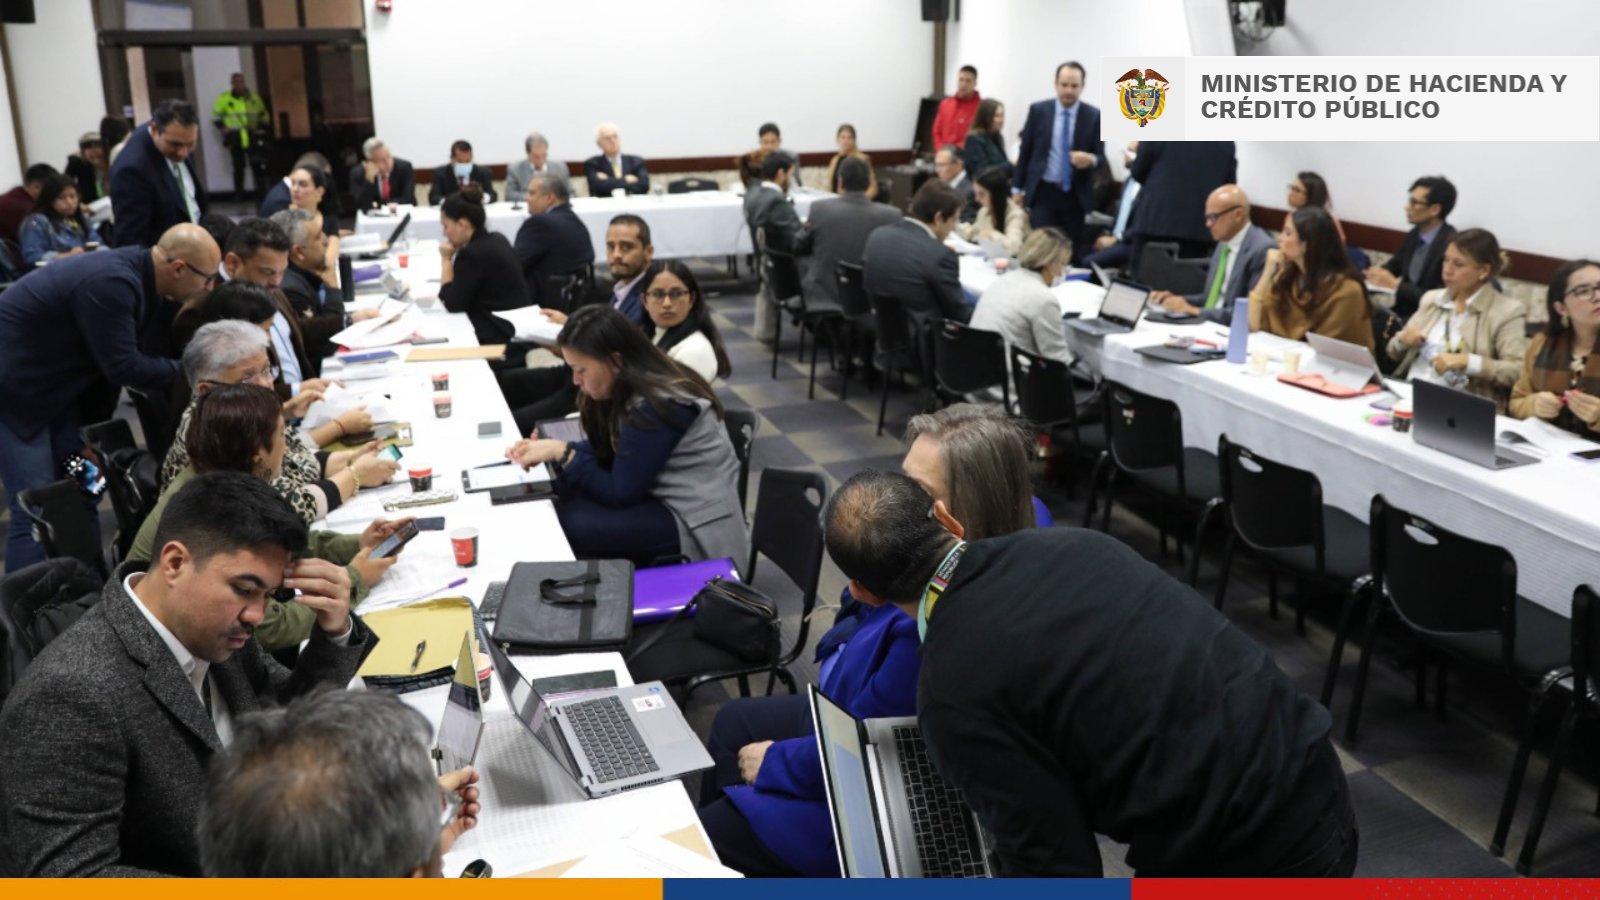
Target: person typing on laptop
pixel 1070 688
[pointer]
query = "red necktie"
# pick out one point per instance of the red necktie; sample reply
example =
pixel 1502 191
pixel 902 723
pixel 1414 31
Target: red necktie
pixel 383 186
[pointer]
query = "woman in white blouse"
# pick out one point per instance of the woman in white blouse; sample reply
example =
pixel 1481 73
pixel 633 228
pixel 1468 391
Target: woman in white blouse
pixel 992 191
pixel 1021 306
pixel 679 322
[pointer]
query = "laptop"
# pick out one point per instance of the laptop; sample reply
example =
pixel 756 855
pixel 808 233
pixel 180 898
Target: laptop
pixel 394 238
pixel 1119 311
pixel 461 728
pixel 893 816
pixel 993 248
pixel 1460 424
pixel 609 740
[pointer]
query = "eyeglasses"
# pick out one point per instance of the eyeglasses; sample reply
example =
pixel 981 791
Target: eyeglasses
pixel 1211 218
pixel 1588 293
pixel 1412 201
pixel 210 277
pixel 1296 189
pixel 675 295
pixel 263 377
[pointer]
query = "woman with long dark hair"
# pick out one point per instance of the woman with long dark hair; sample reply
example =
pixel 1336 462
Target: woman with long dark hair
pixel 678 320
pixel 845 137
pixel 1308 284
pixel 57 226
pixel 656 476
pixel 985 146
pixel 481 273
pixel 1560 379
pixel 999 217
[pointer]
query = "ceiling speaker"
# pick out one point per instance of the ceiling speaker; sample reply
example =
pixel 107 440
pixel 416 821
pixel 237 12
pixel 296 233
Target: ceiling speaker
pixel 16 12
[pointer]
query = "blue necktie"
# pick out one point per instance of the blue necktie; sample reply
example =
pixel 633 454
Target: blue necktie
pixel 1064 141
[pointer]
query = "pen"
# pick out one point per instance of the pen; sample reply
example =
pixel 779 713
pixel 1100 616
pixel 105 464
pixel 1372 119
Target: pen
pixel 417 660
pixel 503 462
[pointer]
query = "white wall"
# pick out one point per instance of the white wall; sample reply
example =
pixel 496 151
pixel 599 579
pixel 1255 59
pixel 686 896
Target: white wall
pixel 1017 44
pixel 57 69
pixel 1536 197
pixel 687 78
pixel 10 161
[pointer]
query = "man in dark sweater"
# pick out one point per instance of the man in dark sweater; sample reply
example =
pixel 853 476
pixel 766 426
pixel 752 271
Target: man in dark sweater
pixel 1069 688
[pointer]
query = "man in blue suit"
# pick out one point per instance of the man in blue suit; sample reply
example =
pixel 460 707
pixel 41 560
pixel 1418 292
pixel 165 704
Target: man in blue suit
pixel 153 181
pixel 1055 163
pixel 1236 263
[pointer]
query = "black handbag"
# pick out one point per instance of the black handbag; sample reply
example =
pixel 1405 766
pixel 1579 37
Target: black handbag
pixel 732 617
pixel 561 607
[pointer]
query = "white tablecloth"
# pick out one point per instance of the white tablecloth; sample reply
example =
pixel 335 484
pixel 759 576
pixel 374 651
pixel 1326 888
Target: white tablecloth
pixel 700 223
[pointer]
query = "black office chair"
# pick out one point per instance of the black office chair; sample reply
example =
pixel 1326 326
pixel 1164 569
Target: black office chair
pixel 1059 403
pixel 37 603
pixel 692 185
pixel 1580 691
pixel 1162 269
pixel 854 329
pixel 897 351
pixel 1144 438
pixel 1385 325
pixel 788 531
pixel 967 360
pixel 130 475
pixel 157 423
pixel 742 424
pixel 784 288
pixel 1277 512
pixel 63 524
pixel 563 292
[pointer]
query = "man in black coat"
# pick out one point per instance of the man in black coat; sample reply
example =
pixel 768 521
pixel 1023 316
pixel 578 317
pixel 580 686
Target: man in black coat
pixel 1418 266
pixel 1070 688
pixel 837 228
pixel 1175 177
pixel 153 182
pixel 105 741
pixel 458 173
pixel 553 241
pixel 319 309
pixel 382 177
pixel 909 261
pixel 612 169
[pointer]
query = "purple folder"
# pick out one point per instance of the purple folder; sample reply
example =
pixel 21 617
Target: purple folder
pixel 660 592
pixel 367 273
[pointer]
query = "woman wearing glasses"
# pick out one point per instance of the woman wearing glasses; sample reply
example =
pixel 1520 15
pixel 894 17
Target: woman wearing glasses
pixel 679 322
pixel 1560 380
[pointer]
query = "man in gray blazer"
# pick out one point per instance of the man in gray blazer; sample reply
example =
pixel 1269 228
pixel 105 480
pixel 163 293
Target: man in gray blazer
pixel 909 261
pixel 837 228
pixel 520 174
pixel 105 741
pixel 1236 264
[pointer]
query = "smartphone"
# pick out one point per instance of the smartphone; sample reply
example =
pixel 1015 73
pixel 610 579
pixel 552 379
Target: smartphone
pixel 1586 455
pixel 1384 403
pixel 435 523
pixel 488 429
pixel 392 451
pixel 392 544
pixel 420 341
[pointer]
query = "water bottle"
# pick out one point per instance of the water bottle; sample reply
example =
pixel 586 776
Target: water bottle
pixel 1239 332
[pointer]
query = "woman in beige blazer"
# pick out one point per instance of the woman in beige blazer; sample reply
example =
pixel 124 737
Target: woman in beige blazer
pixel 1466 335
pixel 992 191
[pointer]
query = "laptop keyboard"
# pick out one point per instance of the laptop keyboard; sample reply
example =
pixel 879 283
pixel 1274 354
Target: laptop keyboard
pixel 607 737
pixel 947 836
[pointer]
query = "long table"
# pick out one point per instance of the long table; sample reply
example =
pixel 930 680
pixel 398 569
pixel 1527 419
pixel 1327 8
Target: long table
pixel 1539 512
pixel 532 813
pixel 695 224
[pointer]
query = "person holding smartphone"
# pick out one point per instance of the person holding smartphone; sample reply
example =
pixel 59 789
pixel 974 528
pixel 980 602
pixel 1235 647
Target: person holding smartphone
pixel 1560 379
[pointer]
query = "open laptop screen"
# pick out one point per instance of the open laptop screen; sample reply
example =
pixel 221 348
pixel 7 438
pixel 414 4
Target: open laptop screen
pixel 845 764
pixel 1124 302
pixel 530 708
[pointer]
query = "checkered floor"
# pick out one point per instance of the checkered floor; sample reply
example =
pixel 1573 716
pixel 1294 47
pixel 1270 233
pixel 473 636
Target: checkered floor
pixel 1427 789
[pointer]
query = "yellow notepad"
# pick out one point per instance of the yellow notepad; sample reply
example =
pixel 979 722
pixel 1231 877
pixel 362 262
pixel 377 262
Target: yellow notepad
pixel 418 639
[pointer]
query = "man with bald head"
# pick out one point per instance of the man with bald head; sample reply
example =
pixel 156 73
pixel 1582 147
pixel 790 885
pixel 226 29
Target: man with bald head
pixel 68 325
pixel 1236 263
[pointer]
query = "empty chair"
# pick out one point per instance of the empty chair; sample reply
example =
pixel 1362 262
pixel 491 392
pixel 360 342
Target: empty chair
pixel 691 185
pixel 741 424
pixel 1580 691
pixel 155 420
pixel 967 361
pixel 854 328
pixel 897 351
pixel 1058 404
pixel 1162 269
pixel 1277 512
pixel 63 523
pixel 1144 437
pixel 788 531
pixel 37 603
pixel 784 288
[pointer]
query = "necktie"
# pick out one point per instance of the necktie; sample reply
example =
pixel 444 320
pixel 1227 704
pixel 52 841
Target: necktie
pixel 1216 280
pixel 183 191
pixel 383 186
pixel 1064 141
pixel 616 168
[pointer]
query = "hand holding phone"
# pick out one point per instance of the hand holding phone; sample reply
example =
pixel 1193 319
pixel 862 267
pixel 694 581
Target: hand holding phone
pixel 392 544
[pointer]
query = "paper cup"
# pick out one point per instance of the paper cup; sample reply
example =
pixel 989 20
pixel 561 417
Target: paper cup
pixel 441 381
pixel 1291 361
pixel 404 259
pixel 421 478
pixel 1258 362
pixel 441 405
pixel 464 542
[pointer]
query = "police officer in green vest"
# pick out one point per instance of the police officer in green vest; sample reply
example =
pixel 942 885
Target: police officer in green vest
pixel 242 116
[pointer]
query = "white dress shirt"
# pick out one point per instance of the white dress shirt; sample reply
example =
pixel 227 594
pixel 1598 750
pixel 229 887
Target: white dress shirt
pixel 1448 335
pixel 193 668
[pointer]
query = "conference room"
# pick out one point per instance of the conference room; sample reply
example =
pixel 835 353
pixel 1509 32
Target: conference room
pixel 845 440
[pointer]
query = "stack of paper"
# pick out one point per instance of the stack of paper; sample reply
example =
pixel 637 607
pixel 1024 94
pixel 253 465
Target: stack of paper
pixel 336 401
pixel 647 856
pixel 381 330
pixel 531 324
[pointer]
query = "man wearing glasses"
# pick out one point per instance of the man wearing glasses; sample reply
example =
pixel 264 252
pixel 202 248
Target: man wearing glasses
pixel 1418 266
pixel 1236 263
pixel 69 325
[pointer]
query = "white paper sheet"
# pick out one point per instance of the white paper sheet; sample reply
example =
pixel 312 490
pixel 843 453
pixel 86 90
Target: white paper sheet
pixel 647 856
pixel 530 324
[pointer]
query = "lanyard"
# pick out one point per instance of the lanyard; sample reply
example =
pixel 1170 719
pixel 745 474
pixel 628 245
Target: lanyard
pixel 936 587
pixel 1452 345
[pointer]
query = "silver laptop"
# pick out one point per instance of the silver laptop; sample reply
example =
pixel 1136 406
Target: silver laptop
pixel 1460 424
pixel 893 816
pixel 608 740
pixel 461 728
pixel 1119 311
pixel 1348 365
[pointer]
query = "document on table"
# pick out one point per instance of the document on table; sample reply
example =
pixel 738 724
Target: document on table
pixel 530 324
pixel 336 401
pixel 647 856
pixel 390 326
pixel 360 243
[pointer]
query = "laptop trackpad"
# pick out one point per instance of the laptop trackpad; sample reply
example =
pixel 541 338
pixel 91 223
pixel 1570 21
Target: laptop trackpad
pixel 659 726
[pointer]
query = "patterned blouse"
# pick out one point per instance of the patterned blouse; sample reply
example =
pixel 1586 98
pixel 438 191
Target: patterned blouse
pixel 301 482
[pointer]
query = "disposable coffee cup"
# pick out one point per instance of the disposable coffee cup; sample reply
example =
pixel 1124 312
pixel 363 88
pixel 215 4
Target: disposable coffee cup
pixel 1258 362
pixel 441 405
pixel 421 478
pixel 441 381
pixel 393 208
pixel 405 260
pixel 464 542
pixel 1291 361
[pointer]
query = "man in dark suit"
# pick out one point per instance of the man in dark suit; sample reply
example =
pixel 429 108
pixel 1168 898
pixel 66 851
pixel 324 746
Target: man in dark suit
pixel 105 740
pixel 1175 178
pixel 382 178
pixel 909 261
pixel 1418 266
pixel 318 308
pixel 153 181
pixel 457 173
pixel 837 228
pixel 553 241
pixel 1236 264
pixel 951 167
pixel 69 325
pixel 612 169
pixel 767 206
pixel 1055 162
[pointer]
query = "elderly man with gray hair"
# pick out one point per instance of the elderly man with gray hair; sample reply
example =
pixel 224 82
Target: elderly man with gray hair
pixel 337 784
pixel 520 174
pixel 553 242
pixel 612 170
pixel 320 309
pixel 382 178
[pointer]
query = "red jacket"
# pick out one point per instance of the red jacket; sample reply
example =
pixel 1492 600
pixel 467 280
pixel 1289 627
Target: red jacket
pixel 954 120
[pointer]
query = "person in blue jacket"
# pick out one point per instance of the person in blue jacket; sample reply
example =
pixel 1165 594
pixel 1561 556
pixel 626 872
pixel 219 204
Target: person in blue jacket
pixel 764 805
